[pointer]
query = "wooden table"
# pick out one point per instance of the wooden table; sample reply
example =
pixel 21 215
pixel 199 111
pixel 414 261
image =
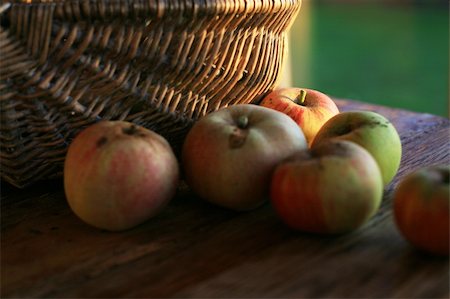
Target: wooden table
pixel 194 249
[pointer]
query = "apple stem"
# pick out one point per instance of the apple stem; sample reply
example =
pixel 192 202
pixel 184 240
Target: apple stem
pixel 300 99
pixel 242 122
pixel 131 130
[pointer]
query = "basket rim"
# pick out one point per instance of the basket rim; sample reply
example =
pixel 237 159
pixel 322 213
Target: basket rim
pixel 158 8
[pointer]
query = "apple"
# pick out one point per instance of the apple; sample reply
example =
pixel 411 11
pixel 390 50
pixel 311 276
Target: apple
pixel 118 175
pixel 370 130
pixel 421 208
pixel 229 155
pixel 333 188
pixel 309 108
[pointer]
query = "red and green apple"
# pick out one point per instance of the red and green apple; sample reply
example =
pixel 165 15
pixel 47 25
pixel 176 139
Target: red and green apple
pixel 309 108
pixel 229 155
pixel 335 187
pixel 118 175
pixel 422 208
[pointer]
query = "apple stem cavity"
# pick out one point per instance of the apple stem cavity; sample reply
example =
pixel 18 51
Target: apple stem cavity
pixel 134 130
pixel 442 174
pixel 446 175
pixel 102 141
pixel 131 130
pixel 240 132
pixel 300 99
pixel 237 138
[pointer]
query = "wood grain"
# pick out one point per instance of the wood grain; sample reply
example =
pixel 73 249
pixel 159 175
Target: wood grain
pixel 194 249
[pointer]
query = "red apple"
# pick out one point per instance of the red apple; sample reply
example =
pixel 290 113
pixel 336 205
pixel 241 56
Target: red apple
pixel 421 208
pixel 309 108
pixel 333 188
pixel 118 175
pixel 229 155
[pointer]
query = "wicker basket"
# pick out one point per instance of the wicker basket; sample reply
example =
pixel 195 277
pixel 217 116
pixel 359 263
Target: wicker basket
pixel 161 64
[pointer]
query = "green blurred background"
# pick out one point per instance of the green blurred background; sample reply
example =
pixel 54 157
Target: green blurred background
pixel 393 53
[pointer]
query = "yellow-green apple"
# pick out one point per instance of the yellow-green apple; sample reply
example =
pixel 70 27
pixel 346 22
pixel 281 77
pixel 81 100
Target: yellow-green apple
pixel 333 188
pixel 421 208
pixel 118 175
pixel 229 155
pixel 309 108
pixel 370 130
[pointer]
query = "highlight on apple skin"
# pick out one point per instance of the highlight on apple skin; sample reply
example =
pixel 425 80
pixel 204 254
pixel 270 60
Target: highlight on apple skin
pixel 118 175
pixel 335 187
pixel 228 156
pixel 422 207
pixel 309 108
pixel 370 130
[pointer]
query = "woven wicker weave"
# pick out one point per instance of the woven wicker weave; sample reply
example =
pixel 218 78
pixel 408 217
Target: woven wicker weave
pixel 161 64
